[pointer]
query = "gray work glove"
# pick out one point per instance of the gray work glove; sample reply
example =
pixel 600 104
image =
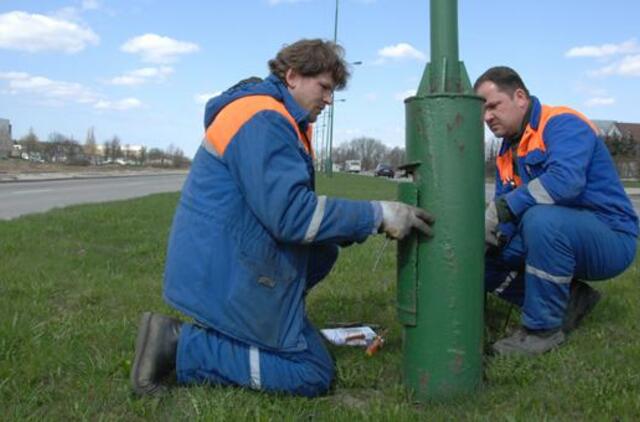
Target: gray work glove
pixel 491 225
pixel 398 219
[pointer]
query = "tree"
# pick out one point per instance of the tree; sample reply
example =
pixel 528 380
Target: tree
pixel 176 156
pixel 156 156
pixel 106 149
pixel 368 150
pixel 395 157
pixel 116 149
pixel 90 147
pixel 31 144
pixel 142 158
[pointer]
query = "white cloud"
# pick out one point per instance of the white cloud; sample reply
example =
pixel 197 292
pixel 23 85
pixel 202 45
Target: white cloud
pixel 401 96
pixel 158 49
pixel 400 51
pixel 371 97
pixel 628 66
pixel 204 97
pixel 604 50
pixel 120 105
pixel 600 101
pixel 24 83
pixel 143 75
pixel 33 33
pixel 50 92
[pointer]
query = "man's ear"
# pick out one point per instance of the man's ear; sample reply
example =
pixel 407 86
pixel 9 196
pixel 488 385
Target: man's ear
pixel 521 97
pixel 291 78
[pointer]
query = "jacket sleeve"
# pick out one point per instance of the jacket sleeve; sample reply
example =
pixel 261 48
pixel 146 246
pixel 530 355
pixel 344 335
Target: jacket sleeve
pixel 265 160
pixel 570 143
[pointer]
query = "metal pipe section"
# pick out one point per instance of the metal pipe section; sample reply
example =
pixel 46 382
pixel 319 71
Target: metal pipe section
pixel 444 52
pixel 441 281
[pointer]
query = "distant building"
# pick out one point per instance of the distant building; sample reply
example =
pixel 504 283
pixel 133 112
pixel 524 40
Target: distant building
pixel 629 130
pixel 606 128
pixel 6 142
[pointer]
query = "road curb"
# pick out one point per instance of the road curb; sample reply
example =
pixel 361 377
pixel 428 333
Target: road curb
pixel 49 177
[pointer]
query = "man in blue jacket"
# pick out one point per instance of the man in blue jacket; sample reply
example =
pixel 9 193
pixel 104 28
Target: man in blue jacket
pixel 250 237
pixel 560 214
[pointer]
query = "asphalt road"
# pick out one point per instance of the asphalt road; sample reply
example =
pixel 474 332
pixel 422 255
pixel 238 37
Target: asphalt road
pixel 633 195
pixel 19 198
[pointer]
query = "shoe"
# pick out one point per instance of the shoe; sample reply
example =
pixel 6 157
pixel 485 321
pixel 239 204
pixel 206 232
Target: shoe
pixel 582 301
pixel 526 342
pixel 155 355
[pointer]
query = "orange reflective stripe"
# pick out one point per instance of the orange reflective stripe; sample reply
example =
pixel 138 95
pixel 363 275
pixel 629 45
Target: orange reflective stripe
pixel 532 140
pixel 234 115
pixel 549 112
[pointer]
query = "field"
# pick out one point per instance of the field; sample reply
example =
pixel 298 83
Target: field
pixel 74 281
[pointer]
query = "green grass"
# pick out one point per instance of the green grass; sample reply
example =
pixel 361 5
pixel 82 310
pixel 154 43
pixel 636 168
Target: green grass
pixel 74 281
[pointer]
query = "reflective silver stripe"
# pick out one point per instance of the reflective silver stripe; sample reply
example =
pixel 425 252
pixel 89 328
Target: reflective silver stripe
pixel 254 367
pixel 560 279
pixel 501 288
pixel 539 193
pixel 316 220
pixel 210 149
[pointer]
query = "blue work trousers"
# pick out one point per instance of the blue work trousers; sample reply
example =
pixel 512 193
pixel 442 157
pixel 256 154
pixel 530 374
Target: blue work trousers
pixel 552 246
pixel 206 356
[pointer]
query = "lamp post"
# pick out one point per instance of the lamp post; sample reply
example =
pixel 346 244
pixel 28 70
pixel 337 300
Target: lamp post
pixel 328 166
pixel 328 163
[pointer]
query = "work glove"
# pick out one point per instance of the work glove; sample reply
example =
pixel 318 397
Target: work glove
pixel 398 219
pixel 491 225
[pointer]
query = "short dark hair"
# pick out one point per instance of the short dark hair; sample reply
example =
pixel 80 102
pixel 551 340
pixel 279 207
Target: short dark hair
pixel 311 58
pixel 506 79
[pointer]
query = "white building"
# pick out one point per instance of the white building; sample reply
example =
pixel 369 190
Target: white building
pixel 6 143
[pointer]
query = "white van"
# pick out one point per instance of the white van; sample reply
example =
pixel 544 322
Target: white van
pixel 353 166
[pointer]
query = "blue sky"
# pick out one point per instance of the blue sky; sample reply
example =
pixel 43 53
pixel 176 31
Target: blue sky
pixel 142 69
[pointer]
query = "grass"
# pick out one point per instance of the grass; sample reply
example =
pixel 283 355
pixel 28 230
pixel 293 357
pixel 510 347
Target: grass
pixel 74 281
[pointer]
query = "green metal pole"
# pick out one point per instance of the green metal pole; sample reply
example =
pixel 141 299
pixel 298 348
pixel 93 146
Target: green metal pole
pixel 441 281
pixel 329 163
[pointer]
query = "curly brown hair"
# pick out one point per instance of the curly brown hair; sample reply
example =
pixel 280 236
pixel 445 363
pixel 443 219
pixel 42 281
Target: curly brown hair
pixel 311 58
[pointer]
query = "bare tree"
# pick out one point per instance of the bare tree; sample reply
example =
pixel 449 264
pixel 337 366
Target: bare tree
pixel 90 147
pixel 31 144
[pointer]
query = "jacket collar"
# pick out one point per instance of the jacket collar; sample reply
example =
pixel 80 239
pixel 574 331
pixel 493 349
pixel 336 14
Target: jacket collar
pixel 299 114
pixel 271 86
pixel 536 111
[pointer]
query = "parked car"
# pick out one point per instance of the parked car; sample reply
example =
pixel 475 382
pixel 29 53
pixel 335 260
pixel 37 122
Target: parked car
pixel 353 166
pixel 384 170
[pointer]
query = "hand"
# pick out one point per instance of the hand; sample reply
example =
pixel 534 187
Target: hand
pixel 398 219
pixel 491 225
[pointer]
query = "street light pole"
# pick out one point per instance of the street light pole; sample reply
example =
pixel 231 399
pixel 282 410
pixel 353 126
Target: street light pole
pixel 328 168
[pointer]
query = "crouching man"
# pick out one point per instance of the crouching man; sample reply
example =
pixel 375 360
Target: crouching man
pixel 250 237
pixel 560 214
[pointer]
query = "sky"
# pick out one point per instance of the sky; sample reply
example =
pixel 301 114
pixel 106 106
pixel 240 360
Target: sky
pixel 143 69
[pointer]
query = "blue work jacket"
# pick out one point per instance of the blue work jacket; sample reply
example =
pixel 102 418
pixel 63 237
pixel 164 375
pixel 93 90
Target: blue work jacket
pixel 560 160
pixel 249 220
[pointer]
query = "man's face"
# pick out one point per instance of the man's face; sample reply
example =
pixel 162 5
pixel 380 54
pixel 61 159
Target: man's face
pixel 312 93
pixel 503 113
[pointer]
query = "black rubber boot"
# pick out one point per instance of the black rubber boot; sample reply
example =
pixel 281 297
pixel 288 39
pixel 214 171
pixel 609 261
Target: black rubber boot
pixel 581 302
pixel 155 356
